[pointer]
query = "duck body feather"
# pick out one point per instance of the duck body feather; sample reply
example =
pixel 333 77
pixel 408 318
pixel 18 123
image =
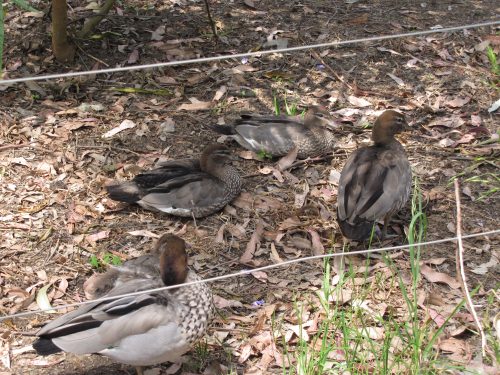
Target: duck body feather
pixel 278 135
pixel 139 330
pixel 375 182
pixel 181 187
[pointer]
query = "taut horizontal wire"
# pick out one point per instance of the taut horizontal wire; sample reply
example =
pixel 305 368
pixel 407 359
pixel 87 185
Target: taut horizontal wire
pixel 248 54
pixel 247 272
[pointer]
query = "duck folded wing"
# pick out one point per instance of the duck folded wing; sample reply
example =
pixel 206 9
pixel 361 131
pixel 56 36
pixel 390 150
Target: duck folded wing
pixel 165 171
pixel 201 192
pixel 98 326
pixel 154 181
pixel 257 120
pixel 372 184
pixel 273 138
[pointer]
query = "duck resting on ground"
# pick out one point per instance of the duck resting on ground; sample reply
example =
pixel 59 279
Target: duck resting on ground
pixel 375 181
pixel 187 188
pixel 141 330
pixel 278 135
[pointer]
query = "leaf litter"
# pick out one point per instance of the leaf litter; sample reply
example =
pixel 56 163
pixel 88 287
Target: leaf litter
pixel 55 214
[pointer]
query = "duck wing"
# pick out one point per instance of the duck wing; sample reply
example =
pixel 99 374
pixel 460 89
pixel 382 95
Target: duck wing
pixel 180 199
pixel 257 120
pixel 275 138
pixel 94 327
pixel 373 183
pixel 165 171
pixel 170 170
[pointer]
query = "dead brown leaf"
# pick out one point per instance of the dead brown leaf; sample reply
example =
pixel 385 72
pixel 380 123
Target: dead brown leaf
pixel 438 277
pixel 253 243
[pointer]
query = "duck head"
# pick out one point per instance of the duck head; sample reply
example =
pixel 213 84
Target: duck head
pixel 214 157
pixel 173 259
pixel 318 115
pixel 387 125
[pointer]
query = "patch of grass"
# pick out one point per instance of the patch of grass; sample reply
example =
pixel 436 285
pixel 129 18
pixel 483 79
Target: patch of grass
pixel 354 333
pixel 201 357
pixel 105 260
pixel 489 183
pixel 493 58
pixel 290 109
pixel 263 155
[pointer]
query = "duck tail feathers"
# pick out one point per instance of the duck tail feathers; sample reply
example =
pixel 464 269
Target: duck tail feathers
pixel 127 192
pixel 45 346
pixel 223 129
pixel 358 231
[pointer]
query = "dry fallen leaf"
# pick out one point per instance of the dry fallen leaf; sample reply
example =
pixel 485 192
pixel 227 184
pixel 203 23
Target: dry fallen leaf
pixel 317 246
pixel 195 105
pixel 286 161
pixel 358 102
pixel 252 244
pixel 126 124
pixel 222 303
pixel 439 277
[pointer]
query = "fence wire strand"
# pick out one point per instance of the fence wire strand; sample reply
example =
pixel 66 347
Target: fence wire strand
pixel 249 54
pixel 248 272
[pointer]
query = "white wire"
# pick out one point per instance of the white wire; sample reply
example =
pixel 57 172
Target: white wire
pixel 247 272
pixel 248 54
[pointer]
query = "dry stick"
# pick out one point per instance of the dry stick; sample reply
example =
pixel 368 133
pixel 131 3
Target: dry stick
pixel 318 57
pixel 460 268
pixel 212 24
pixel 21 145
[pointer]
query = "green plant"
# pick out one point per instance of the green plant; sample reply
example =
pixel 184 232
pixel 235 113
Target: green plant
pixel 104 260
pixel 264 155
pixel 290 110
pixel 493 58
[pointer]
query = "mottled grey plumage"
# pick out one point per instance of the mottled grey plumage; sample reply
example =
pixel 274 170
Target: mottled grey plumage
pixel 277 136
pixel 375 181
pixel 184 187
pixel 141 330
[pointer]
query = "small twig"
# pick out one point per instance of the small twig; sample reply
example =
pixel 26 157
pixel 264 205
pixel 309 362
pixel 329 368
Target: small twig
pixel 21 145
pixel 211 21
pixel 318 57
pixel 460 269
pixel 91 56
pixel 93 21
pixel 110 148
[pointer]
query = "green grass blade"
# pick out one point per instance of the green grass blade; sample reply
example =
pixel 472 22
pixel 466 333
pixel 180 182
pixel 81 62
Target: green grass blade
pixel 23 4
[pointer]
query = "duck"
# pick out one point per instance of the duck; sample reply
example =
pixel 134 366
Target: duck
pixel 277 135
pixel 376 180
pixel 140 330
pixel 186 188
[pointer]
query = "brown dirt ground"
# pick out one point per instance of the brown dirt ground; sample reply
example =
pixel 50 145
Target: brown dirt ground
pixel 45 217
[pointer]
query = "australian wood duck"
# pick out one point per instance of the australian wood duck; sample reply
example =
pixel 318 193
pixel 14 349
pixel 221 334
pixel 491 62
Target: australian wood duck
pixel 186 187
pixel 278 135
pixel 140 330
pixel 376 180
